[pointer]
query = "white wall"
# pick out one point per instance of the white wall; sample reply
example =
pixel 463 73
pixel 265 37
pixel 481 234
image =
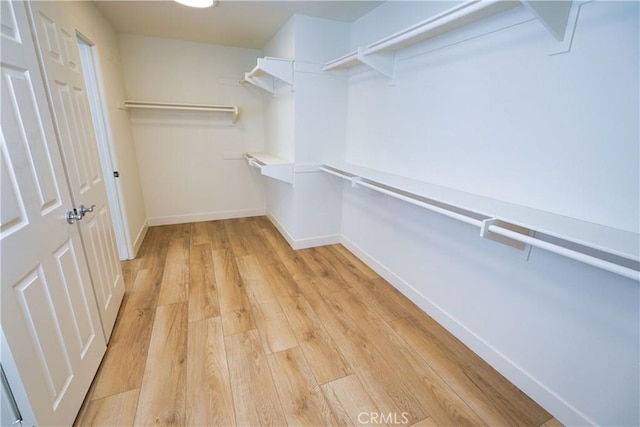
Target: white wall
pixel 279 108
pixel 185 176
pixel 279 128
pixel 321 98
pixel 306 124
pixel 497 116
pixel 393 16
pixel 92 25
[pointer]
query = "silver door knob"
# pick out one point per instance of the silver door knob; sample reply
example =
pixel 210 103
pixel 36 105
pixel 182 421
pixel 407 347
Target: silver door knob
pixel 72 216
pixel 82 209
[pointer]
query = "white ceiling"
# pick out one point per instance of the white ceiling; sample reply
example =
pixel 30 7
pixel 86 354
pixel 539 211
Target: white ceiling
pixel 248 24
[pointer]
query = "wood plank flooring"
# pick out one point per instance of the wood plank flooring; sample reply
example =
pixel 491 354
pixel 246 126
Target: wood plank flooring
pixel 223 324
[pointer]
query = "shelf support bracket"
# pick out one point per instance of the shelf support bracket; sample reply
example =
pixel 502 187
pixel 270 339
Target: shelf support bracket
pixel 384 63
pixel 487 234
pixel 559 18
pixel 281 69
pixel 564 45
pixel 265 83
pixel 554 15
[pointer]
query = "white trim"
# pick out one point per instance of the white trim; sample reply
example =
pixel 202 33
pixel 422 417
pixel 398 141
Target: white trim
pixel 553 403
pixel 90 64
pixel 206 216
pixel 312 242
pixel 309 242
pixel 140 238
pixel 15 382
pixel 281 228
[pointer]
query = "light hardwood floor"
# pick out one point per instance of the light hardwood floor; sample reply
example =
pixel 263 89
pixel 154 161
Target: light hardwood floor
pixel 224 324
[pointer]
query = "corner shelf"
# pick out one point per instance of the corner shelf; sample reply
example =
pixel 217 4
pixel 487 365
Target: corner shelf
pixel 267 71
pixel 271 166
pixel 151 105
pixel 611 249
pixel 554 15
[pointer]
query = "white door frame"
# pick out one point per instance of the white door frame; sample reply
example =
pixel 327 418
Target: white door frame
pixel 108 159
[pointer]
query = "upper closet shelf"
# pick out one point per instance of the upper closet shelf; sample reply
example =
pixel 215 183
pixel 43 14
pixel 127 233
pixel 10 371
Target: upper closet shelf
pixel 150 105
pixel 271 166
pixel 267 71
pixel 608 248
pixel 554 15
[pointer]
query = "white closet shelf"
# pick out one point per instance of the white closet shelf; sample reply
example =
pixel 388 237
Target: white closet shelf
pixel 151 105
pixel 271 166
pixel 498 217
pixel 554 15
pixel 267 71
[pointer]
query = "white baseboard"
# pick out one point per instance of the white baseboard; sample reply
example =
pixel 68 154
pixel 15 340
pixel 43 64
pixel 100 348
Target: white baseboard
pixel 553 403
pixel 207 216
pixel 310 242
pixel 316 241
pixel 139 238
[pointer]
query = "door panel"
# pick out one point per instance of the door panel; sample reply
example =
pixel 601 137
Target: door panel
pixel 45 332
pixel 19 88
pixel 96 245
pixel 48 309
pixel 9 27
pixel 12 214
pixel 66 261
pixel 60 53
pixel 75 159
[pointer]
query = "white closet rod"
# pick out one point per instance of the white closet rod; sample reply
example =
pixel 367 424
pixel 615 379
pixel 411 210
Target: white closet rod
pixel 560 250
pixel 413 201
pixel 254 162
pixel 171 106
pixel 252 73
pixel 355 180
pixel 346 59
pixel 184 107
pixel 334 173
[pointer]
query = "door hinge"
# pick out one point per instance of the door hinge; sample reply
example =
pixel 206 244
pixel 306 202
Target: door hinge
pixel 8 394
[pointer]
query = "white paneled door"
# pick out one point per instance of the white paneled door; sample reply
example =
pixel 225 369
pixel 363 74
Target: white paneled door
pixel 49 313
pixel 57 43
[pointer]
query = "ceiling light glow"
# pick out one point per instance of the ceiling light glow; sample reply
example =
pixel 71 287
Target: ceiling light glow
pixel 197 3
